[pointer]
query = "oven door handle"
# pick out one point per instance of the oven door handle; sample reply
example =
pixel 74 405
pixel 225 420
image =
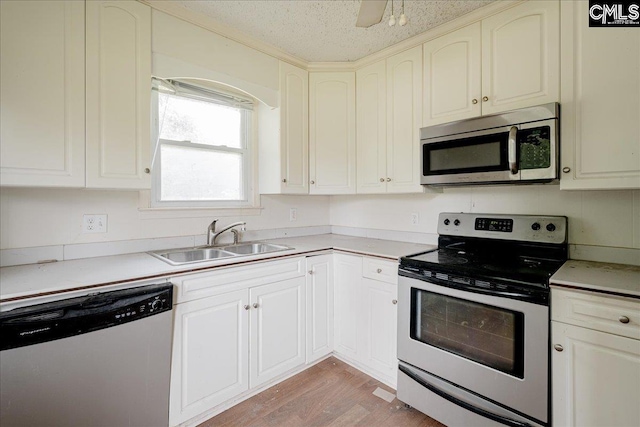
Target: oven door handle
pixel 512 150
pixel 482 412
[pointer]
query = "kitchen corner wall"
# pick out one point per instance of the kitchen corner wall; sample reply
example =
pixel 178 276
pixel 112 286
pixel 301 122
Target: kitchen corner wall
pixel 596 218
pixel 42 217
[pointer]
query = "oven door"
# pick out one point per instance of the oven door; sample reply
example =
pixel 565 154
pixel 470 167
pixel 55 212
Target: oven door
pixel 493 346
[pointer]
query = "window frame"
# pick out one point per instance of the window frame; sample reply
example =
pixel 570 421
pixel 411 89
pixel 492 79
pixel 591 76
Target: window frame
pixel 249 172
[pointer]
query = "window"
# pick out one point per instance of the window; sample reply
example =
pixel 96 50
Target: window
pixel 203 152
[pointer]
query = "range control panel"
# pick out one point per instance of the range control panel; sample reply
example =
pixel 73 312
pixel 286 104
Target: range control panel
pixel 528 228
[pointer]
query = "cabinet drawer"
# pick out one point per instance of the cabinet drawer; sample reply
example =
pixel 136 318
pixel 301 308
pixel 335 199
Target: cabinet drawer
pixel 377 269
pixel 227 279
pixel 596 311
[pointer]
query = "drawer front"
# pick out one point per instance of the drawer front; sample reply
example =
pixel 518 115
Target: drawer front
pixel 612 314
pixel 227 279
pixel 377 269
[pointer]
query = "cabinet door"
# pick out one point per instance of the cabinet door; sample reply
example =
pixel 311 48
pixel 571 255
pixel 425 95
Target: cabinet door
pixel 118 94
pixel 371 108
pixel 347 300
pixel 521 57
pixel 452 86
pixel 319 307
pixel 380 332
pixel 294 136
pixel 332 133
pixel 595 379
pixel 42 93
pixel 210 354
pixel 600 123
pixel 404 119
pixel 277 329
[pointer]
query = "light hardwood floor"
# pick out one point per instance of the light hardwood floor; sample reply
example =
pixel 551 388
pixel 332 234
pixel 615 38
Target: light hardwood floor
pixel 330 393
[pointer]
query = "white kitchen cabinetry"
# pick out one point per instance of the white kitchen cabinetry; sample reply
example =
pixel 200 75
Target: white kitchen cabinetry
pixel 284 136
pixel 42 124
pixel 332 133
pixel 118 93
pixel 319 307
pixel 600 130
pixel 210 353
pixel 595 359
pixel 452 84
pixel 507 61
pixel 277 329
pixel 365 314
pixel 389 114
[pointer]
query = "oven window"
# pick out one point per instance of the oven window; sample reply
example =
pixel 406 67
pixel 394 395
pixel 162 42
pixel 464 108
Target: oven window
pixel 485 334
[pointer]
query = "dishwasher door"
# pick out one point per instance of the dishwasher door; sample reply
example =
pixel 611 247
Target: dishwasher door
pixel 111 368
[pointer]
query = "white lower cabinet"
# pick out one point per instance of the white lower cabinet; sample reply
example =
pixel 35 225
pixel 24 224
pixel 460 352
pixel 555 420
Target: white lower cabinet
pixel 347 298
pixel 379 321
pixel 319 307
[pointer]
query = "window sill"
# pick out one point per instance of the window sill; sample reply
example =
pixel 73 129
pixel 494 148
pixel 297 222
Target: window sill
pixel 147 212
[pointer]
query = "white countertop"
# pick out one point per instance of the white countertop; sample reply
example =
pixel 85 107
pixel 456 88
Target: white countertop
pixel 37 279
pixel 600 277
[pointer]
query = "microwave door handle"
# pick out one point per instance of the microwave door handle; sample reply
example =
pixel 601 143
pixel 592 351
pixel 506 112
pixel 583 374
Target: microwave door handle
pixel 511 149
pixel 482 412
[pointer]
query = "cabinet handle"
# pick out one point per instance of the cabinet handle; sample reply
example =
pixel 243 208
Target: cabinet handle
pixel 313 182
pixel 623 319
pixel 566 169
pixel 485 98
pixel 381 179
pixel 558 347
pixel 388 179
pixel 284 180
pixel 310 271
pixel 379 270
pixel 247 307
pixel 147 170
pixel 256 305
pixel 394 302
pixel 474 101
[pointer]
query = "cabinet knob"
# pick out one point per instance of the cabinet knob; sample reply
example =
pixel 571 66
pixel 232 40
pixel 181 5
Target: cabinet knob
pixel 394 302
pixel 623 319
pixel 284 180
pixel 312 182
pixel 147 170
pixel 474 101
pixel 388 179
pixel 485 98
pixel 381 179
pixel 558 347
pixel 379 270
pixel 566 169
pixel 256 305
pixel 310 271
pixel 246 307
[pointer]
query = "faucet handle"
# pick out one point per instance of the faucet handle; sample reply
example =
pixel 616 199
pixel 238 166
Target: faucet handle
pixel 212 226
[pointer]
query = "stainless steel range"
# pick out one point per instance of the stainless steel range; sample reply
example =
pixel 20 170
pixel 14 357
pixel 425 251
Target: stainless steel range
pixel 473 320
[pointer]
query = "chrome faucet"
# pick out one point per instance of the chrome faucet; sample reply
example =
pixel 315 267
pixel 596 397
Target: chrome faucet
pixel 212 235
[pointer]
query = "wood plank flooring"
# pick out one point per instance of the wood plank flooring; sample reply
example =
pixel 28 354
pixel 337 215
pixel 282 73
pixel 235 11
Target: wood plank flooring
pixel 330 393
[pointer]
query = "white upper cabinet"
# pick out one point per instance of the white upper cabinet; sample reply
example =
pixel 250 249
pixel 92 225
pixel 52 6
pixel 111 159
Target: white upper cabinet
pixel 371 107
pixel 452 85
pixel 521 57
pixel 284 136
pixel 404 118
pixel 600 108
pixel 332 133
pixel 118 93
pixel 42 94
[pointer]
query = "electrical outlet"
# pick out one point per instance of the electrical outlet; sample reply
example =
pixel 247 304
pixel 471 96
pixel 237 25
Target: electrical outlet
pixel 415 219
pixel 94 224
pixel 293 214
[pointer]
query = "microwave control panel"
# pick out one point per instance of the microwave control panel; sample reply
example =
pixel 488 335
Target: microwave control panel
pixel 535 147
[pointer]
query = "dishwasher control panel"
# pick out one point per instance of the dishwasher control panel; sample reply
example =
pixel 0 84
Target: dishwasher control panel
pixel 139 309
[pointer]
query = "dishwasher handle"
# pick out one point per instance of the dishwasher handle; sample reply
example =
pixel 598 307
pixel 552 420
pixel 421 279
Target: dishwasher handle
pixel 74 316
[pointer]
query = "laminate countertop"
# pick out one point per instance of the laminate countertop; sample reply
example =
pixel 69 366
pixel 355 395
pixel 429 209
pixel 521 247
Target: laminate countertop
pixel 619 279
pixel 26 281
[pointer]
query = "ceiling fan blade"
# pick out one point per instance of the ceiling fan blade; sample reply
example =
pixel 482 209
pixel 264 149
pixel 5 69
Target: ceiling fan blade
pixel 371 12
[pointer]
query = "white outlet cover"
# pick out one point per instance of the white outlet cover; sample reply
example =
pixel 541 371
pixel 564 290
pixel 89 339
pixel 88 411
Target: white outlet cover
pixel 94 223
pixel 293 214
pixel 415 219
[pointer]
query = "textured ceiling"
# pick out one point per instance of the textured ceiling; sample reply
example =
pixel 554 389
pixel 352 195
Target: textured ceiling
pixel 322 31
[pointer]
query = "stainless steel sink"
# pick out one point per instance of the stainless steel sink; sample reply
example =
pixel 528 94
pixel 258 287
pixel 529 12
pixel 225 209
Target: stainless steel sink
pixel 255 248
pixel 185 256
pixel 192 255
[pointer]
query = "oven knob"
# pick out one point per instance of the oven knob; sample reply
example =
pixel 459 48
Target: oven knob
pixel 551 227
pixel 456 222
pixel 446 221
pixel 535 226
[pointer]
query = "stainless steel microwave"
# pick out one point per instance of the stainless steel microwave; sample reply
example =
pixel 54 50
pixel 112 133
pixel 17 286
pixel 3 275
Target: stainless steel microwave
pixel 519 146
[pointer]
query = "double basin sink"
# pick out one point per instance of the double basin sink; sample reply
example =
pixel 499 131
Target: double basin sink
pixel 209 253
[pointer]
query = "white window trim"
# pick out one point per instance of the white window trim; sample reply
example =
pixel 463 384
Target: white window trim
pixel 150 201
